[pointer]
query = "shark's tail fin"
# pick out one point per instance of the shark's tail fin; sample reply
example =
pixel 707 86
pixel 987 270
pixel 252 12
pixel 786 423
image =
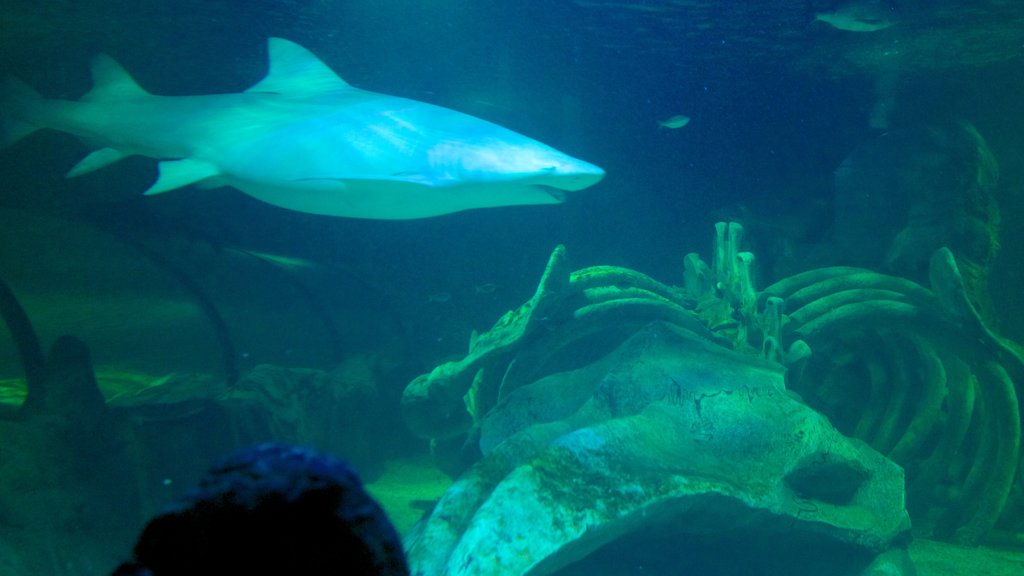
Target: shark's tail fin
pixel 17 101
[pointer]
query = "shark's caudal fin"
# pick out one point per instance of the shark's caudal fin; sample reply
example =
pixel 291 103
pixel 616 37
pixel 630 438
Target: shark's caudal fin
pixel 17 100
pixel 22 111
pixel 110 83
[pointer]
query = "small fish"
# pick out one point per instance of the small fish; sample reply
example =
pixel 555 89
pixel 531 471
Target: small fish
pixel 860 16
pixel 279 260
pixel 487 288
pixel 677 121
pixel 439 297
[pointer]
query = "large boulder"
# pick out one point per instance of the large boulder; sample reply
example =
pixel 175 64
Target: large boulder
pixel 668 452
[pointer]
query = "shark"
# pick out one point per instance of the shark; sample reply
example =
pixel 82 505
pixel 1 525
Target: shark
pixel 860 15
pixel 304 139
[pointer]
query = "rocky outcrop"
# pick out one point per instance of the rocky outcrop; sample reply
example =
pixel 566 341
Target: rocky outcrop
pixel 668 442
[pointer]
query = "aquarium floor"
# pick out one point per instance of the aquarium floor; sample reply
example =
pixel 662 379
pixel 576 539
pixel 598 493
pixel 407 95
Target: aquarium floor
pixel 409 487
pixel 940 559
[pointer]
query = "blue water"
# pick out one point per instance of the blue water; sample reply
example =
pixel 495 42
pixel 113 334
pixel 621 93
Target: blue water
pixel 776 101
pixel 590 80
pixel 773 113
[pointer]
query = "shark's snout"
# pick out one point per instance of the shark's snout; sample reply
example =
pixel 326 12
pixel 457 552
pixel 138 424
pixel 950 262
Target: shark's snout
pixel 586 177
pixel 575 175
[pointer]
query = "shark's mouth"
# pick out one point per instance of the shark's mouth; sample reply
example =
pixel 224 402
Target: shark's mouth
pixel 557 193
pixel 557 187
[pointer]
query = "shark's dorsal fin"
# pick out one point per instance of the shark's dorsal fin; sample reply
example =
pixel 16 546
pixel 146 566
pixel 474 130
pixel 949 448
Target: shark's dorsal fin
pixel 295 70
pixel 110 81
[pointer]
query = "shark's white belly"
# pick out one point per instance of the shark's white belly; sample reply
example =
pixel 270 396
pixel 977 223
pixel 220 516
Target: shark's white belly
pixel 391 200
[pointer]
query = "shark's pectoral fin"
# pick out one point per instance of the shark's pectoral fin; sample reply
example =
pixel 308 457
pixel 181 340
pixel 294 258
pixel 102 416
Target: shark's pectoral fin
pixel 177 173
pixel 94 161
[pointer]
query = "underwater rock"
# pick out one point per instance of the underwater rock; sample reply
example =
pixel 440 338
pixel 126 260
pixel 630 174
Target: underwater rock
pixel 571 320
pixel 340 412
pixel 909 192
pixel 823 476
pixel 65 463
pixel 918 375
pixel 668 442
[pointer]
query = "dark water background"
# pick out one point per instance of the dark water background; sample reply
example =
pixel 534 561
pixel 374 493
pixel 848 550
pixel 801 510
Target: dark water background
pixel 777 102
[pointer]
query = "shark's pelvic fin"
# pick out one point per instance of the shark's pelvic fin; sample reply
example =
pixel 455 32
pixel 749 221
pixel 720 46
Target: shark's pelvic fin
pixel 110 81
pixel 295 70
pixel 177 173
pixel 94 161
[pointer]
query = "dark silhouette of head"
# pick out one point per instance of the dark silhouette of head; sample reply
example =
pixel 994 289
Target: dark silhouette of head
pixel 272 509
